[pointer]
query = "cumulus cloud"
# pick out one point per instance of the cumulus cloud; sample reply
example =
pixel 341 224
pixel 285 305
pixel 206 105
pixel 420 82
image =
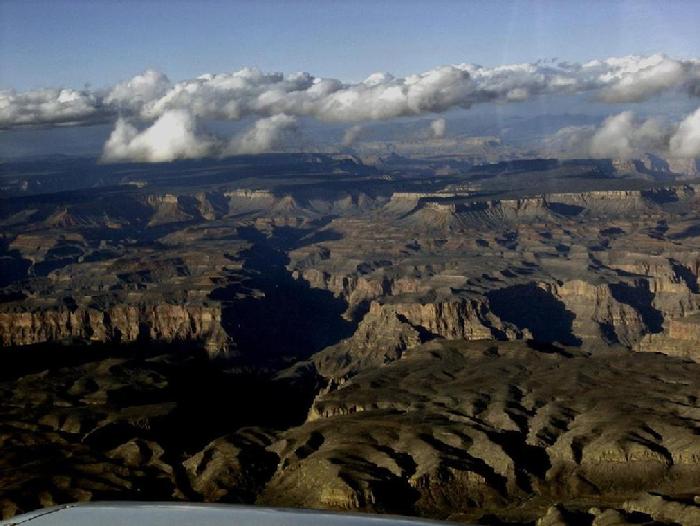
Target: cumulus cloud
pixel 634 79
pixel 48 107
pixel 438 128
pixel 685 142
pixel 277 100
pixel 351 135
pixel 624 136
pixel 570 141
pixel 621 136
pixel 247 92
pixel 172 136
pixel 134 93
pixel 268 134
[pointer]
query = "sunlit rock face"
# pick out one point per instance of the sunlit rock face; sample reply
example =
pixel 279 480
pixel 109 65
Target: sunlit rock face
pixel 117 324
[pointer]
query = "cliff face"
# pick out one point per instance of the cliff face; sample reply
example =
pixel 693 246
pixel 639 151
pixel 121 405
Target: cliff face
pixel 596 266
pixel 680 338
pixel 456 319
pixel 438 263
pixel 358 290
pixel 623 311
pixel 431 211
pixel 116 324
pixel 688 168
pixel 381 337
pixel 599 314
pixel 166 209
pixel 387 331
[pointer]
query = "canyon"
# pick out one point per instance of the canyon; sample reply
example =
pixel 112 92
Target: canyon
pixel 502 343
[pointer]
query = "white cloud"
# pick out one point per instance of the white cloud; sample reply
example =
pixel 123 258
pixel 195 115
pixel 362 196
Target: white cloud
pixel 232 96
pixel 47 107
pixel 685 142
pixel 172 136
pixel 268 134
pixel 622 136
pixel 571 141
pixel 351 135
pixel 138 91
pixel 175 135
pixel 634 79
pixel 438 128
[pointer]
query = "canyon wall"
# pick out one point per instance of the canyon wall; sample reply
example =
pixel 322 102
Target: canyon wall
pixel 116 324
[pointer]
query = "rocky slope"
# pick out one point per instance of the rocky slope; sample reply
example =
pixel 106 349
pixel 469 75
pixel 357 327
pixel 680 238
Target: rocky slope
pixel 464 430
pixel 506 343
pixel 470 431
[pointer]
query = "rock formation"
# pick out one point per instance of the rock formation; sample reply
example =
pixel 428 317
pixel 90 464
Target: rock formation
pixel 514 342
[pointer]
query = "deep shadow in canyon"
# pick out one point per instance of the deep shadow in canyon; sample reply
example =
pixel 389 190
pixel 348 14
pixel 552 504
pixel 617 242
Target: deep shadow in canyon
pixel 530 307
pixel 287 320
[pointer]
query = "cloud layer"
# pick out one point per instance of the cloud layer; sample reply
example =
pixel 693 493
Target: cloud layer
pixel 232 96
pixel 49 107
pixel 621 136
pixel 624 136
pixel 175 135
pixel 268 134
pixel 157 120
pixel 686 141
pixel 172 136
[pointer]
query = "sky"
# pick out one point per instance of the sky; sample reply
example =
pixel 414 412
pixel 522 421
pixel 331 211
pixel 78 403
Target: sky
pixel 158 80
pixel 72 43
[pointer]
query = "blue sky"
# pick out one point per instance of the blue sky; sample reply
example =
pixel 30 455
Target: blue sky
pixel 71 43
pixel 98 43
